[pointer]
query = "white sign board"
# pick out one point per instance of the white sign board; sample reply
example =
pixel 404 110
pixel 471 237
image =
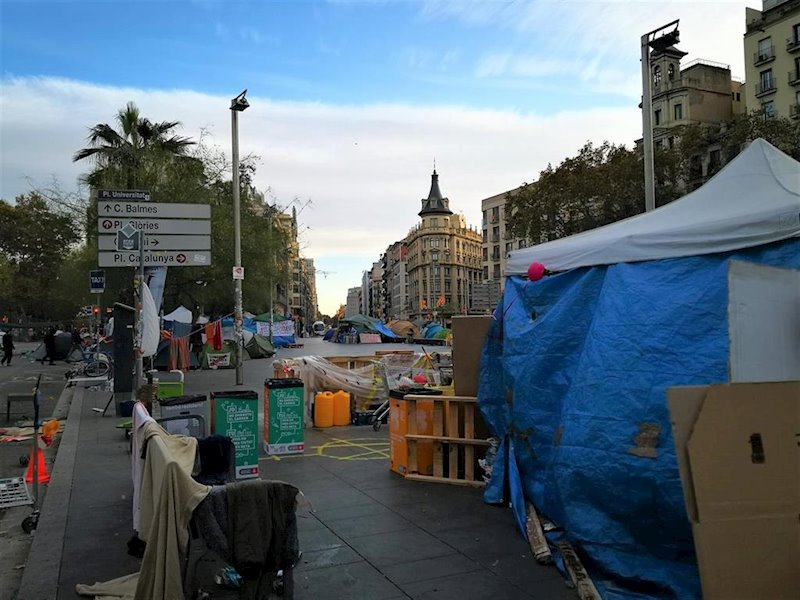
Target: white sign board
pixel 155 259
pixel 763 322
pixel 279 328
pixel 165 226
pixel 162 242
pixel 238 273
pixel 153 210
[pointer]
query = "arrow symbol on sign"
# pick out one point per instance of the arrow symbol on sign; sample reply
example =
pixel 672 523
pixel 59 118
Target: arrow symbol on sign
pixel 107 224
pixel 153 242
pixel 181 258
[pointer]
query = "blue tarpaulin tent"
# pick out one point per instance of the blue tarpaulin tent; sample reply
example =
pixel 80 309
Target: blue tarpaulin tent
pixel 589 353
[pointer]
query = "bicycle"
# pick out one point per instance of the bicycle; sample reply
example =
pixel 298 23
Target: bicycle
pixel 93 364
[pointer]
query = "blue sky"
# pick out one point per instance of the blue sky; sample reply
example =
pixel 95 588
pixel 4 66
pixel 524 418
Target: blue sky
pixel 350 101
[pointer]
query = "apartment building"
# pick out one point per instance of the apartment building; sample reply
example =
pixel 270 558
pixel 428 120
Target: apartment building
pixel 443 257
pixel 394 288
pixel 353 306
pixel 772 58
pixel 497 241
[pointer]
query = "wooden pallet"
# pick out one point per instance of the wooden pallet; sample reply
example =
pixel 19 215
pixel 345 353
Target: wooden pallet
pixel 453 439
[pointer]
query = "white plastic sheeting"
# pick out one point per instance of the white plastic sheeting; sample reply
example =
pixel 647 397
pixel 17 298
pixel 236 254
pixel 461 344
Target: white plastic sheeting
pixel 754 200
pixel 151 331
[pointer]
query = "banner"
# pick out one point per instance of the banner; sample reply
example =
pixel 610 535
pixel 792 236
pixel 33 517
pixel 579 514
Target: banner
pixel 279 328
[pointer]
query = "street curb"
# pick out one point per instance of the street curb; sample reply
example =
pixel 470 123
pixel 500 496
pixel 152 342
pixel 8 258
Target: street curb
pixel 43 567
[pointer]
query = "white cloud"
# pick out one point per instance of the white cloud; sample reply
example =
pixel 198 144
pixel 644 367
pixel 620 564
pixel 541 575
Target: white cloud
pixel 605 34
pixel 364 167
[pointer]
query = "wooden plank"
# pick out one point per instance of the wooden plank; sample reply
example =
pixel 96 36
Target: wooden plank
pixel 452 420
pixel 429 479
pixel 577 573
pixel 438 419
pixel 469 421
pixel 469 462
pixel 536 539
pixel 411 447
pixel 461 399
pixel 438 459
pixel 449 440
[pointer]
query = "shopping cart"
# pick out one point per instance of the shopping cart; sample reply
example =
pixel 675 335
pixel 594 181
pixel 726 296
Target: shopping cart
pixel 402 373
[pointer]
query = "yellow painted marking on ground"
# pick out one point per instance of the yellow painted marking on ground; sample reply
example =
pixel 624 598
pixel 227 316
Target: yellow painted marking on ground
pixel 371 448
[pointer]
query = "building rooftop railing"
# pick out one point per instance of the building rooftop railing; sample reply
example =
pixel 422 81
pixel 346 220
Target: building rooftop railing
pixel 707 63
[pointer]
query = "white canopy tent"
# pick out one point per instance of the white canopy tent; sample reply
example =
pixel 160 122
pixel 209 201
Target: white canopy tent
pixel 180 314
pixel 754 200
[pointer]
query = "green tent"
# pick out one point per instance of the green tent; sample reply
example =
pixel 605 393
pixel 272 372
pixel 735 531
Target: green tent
pixel 361 323
pixel 259 347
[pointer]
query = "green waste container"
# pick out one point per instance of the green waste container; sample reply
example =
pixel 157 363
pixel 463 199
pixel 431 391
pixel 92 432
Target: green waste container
pixel 235 415
pixel 283 416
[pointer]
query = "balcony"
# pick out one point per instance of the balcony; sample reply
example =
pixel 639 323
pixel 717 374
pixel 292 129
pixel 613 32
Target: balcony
pixel 763 56
pixel 794 77
pixel 792 44
pixel 794 111
pixel 765 87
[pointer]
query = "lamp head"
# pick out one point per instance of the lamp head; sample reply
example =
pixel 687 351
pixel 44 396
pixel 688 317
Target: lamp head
pixel 240 102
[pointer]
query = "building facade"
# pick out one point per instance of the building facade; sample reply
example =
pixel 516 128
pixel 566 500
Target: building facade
pixel 497 243
pixel 444 258
pixel 772 58
pixel 353 306
pixel 395 282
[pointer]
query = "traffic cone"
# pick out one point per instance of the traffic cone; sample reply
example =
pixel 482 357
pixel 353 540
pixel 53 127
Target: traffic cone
pixel 44 476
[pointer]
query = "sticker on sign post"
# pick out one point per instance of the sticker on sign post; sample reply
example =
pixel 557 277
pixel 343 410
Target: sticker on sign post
pixel 238 273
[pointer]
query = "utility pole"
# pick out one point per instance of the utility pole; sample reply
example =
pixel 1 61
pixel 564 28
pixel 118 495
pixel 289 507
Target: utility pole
pixel 139 316
pixel 238 104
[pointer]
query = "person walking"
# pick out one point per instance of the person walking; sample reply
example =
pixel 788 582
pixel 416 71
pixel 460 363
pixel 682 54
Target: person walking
pixel 8 348
pixel 50 345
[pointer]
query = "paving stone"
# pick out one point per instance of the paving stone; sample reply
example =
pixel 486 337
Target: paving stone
pixel 430 568
pixel 396 547
pixel 478 585
pixel 356 581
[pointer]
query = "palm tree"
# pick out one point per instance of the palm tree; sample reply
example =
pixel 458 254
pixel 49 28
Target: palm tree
pixel 133 154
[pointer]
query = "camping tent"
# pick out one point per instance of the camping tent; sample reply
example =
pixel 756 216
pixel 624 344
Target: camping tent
pixel 283 331
pixel 361 323
pixel 401 328
pixel 259 347
pixel 587 355
pixel 179 322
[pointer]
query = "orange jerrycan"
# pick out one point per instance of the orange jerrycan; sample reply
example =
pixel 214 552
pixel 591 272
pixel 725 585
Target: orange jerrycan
pixel 323 409
pixel 341 408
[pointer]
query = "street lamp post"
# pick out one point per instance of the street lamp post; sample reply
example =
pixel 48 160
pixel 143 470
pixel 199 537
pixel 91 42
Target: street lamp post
pixel 238 104
pixel 658 39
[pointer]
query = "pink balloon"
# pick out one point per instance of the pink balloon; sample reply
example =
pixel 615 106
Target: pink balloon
pixel 536 271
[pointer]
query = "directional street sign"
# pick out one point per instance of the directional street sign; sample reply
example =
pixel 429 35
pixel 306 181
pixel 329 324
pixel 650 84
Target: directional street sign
pixel 162 242
pixel 155 226
pixel 97 282
pixel 155 259
pixel 123 195
pixel 153 210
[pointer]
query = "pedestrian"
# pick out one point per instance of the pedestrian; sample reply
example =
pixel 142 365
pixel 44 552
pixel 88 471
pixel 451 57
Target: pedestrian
pixel 196 343
pixel 50 345
pixel 8 348
pixel 410 336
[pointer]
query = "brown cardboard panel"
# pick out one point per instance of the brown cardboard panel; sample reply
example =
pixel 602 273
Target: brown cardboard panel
pixel 743 451
pixel 684 406
pixel 469 334
pixel 749 559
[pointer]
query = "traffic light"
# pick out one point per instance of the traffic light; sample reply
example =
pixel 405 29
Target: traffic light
pixel 95 310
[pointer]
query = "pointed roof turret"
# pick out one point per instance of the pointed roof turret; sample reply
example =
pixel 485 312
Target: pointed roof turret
pixel 435 204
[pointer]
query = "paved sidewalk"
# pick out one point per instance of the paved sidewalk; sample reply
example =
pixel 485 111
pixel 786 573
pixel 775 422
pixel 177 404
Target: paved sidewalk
pixel 371 534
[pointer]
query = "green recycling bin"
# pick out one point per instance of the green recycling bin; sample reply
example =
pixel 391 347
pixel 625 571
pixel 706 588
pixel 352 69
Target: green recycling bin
pixel 235 415
pixel 283 416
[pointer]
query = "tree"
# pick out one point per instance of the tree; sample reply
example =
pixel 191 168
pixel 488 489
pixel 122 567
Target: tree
pixel 133 153
pixel 35 238
pixel 600 185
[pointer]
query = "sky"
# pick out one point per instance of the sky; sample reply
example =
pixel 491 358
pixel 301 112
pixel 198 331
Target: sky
pixel 351 101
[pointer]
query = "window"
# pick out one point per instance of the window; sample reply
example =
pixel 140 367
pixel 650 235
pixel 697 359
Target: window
pixel 522 244
pixel 797 98
pixel 657 75
pixel 485 254
pixel 671 72
pixel 509 247
pixel 484 218
pixel 767 82
pixel 796 33
pixel 671 142
pixel 765 48
pixel 796 74
pixel 678 112
pixel 434 222
pixel 496 272
pixel 657 115
pixel 738 97
pixel 485 233
pixel 486 272
pixel 769 109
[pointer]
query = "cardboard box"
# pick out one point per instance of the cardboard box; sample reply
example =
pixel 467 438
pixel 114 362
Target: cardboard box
pixel 469 334
pixel 738 451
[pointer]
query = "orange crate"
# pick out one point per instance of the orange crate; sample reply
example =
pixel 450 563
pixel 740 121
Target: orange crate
pixel 399 428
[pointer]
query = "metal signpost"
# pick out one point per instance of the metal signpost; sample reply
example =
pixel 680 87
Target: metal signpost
pixel 134 232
